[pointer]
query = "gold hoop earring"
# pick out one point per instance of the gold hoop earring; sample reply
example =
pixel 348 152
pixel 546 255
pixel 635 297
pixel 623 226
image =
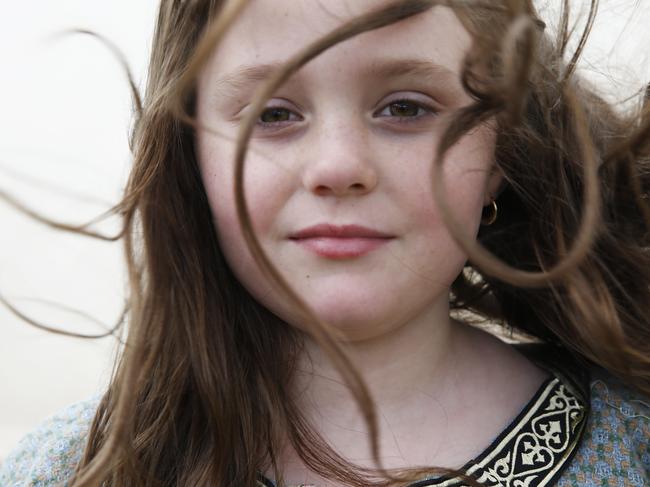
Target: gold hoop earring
pixel 488 220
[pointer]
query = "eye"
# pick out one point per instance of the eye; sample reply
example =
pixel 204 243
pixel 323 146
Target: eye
pixel 406 110
pixel 276 116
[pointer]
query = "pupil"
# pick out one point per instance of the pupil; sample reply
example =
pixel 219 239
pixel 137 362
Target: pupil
pixel 403 109
pixel 275 115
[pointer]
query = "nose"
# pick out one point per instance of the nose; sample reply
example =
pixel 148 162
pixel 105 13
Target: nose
pixel 339 162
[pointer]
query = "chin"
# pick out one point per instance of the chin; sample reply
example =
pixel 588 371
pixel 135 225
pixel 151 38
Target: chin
pixel 355 320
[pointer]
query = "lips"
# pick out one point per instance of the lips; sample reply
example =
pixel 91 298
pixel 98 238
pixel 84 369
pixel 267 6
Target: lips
pixel 334 231
pixel 340 242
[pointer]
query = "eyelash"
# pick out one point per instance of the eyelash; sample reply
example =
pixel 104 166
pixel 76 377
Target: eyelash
pixel 429 110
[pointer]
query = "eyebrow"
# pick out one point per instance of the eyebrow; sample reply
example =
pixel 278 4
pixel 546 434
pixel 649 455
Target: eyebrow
pixel 249 75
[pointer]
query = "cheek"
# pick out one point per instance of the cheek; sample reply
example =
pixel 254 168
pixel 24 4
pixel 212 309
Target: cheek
pixel 217 175
pixel 465 173
pixel 267 185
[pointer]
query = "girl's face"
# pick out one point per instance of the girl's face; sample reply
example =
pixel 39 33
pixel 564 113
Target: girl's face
pixel 349 140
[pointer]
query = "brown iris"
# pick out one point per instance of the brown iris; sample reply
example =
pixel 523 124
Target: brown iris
pixel 274 115
pixel 404 108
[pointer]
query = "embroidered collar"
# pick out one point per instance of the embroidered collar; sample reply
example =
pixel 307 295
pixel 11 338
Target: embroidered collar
pixel 536 446
pixel 534 449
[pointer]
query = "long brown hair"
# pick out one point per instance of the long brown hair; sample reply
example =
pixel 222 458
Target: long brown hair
pixel 201 391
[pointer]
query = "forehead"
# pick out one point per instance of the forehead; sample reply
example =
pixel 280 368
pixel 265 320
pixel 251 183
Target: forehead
pixel 272 31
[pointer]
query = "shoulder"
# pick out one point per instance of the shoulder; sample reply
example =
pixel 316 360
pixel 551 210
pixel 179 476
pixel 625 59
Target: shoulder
pixel 615 448
pixel 49 455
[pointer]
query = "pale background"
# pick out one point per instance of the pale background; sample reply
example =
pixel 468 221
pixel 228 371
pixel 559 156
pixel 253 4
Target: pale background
pixel 64 119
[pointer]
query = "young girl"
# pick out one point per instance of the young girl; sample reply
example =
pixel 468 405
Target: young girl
pixel 325 196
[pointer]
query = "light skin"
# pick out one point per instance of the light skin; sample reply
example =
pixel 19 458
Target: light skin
pixel 350 139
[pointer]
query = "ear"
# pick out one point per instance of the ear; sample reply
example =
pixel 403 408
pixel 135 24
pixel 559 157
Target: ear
pixel 495 184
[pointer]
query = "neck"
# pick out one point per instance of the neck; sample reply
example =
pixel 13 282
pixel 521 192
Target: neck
pixel 441 389
pixel 407 371
pixel 395 366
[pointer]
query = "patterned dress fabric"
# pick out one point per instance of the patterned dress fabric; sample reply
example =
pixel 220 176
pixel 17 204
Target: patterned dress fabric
pixel 611 447
pixel 615 449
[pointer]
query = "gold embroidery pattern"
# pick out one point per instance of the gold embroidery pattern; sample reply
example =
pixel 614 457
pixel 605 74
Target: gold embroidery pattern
pixel 533 452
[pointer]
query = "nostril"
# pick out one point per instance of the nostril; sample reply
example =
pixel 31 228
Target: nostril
pixel 324 190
